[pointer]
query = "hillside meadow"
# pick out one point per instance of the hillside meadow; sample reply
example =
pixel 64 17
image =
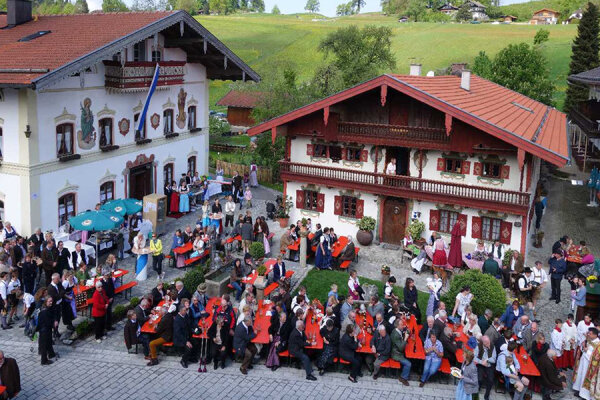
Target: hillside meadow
pixel 264 41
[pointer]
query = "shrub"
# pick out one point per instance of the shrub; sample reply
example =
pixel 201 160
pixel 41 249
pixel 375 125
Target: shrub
pixel 119 312
pixel 134 301
pixel 192 279
pixel 487 292
pixel 83 329
pixel 257 250
pixel 416 229
pixel 366 224
pixel 261 270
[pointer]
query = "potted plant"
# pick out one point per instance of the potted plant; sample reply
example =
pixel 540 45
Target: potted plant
pixel 385 270
pixel 592 280
pixel 366 225
pixel 538 239
pixel 261 270
pixel 257 251
pixel 416 229
pixel 283 212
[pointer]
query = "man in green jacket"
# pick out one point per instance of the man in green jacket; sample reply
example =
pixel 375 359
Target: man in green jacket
pixel 399 337
pixel 490 266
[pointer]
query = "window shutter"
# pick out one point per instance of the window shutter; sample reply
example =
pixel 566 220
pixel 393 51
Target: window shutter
pixel 364 155
pixel 441 164
pixel 505 173
pixel 300 199
pixel 309 149
pixel 360 208
pixel 320 202
pixel 466 167
pixel 476 227
pixel 462 220
pixel 434 220
pixel 337 205
pixel 505 232
pixel 477 168
pixel 344 153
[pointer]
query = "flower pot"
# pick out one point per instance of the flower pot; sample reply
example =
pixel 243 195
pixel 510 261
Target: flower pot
pixel 385 273
pixel 283 222
pixel 364 237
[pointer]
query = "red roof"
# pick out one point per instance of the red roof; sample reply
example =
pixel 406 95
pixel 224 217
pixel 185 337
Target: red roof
pixel 517 119
pixel 71 37
pixel 240 99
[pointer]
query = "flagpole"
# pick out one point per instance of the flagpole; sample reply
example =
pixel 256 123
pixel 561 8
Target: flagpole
pixel 151 90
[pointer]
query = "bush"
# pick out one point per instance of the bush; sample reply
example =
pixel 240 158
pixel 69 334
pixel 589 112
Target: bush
pixel 366 224
pixel 487 292
pixel 193 278
pixel 133 302
pixel 83 329
pixel 261 270
pixel 119 312
pixel 257 250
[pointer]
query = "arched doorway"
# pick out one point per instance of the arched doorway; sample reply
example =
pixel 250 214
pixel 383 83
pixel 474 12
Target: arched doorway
pixel 394 220
pixel 140 177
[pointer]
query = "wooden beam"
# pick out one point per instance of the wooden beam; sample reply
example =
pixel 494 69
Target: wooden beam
pixel 178 42
pixel 326 115
pixel 383 94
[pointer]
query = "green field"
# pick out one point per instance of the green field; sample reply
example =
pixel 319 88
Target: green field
pixel 265 41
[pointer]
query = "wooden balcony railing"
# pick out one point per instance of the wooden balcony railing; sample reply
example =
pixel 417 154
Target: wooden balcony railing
pixel 590 127
pixel 137 76
pixel 408 187
pixel 393 132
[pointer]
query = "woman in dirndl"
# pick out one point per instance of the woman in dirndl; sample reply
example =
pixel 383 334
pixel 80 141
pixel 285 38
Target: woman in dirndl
pixel 141 269
pixel 184 198
pixel 253 178
pixel 440 258
pixel 331 339
pixel 323 254
pixel 174 198
pixel 69 310
pixel 205 214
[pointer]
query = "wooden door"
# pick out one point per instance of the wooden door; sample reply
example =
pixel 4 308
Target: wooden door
pixel 141 181
pixel 394 220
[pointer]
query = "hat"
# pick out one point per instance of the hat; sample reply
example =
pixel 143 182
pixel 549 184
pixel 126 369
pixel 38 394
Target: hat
pixel 202 288
pixel 527 270
pixel 472 343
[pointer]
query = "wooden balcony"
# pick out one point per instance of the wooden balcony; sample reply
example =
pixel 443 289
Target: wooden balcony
pixel 360 132
pixel 408 187
pixel 591 128
pixel 137 76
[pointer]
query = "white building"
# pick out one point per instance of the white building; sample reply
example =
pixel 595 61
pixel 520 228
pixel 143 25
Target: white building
pixel 72 88
pixel 467 151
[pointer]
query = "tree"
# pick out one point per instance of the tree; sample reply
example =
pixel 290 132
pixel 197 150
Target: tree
pixel 312 6
pixel 81 7
pixel 541 36
pixel 415 9
pixel 2 5
pixel 357 5
pixel 191 6
pixel 113 6
pixel 359 54
pixel 584 54
pixel 522 68
pixel 344 9
pixel 464 13
pixel 218 6
pixel 258 5
pixel 394 6
pixel 275 10
pixel 482 65
pixel 203 6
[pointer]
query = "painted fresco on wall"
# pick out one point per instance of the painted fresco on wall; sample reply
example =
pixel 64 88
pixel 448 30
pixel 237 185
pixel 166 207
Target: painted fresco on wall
pixel 124 126
pixel 86 136
pixel 181 116
pixel 155 120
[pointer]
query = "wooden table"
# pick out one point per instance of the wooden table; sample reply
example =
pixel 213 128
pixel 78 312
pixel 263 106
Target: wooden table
pixel 337 247
pixel 262 322
pixel 83 288
pixel 205 323
pixel 414 345
pixel 528 367
pixel 150 327
pixel 187 247
pixel 252 277
pixel 364 337
pixel 313 329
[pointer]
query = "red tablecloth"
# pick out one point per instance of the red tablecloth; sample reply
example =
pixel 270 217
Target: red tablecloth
pixel 527 366
pixel 338 246
pixel 150 325
pixel 262 321
pixel 253 275
pixel 82 288
pixel 312 330
pixel 205 323
pixel 187 247
pixel 364 338
pixel 414 345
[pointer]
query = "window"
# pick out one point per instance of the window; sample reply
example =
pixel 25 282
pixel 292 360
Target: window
pixel 453 165
pixel 142 134
pixel 168 174
pixel 107 192
pixel 139 51
pixel 106 132
pixel 64 140
pixel 168 121
pixel 349 206
pixel 447 221
pixel 335 153
pixel 66 208
pixel 191 117
pixel 310 200
pixel 491 170
pixel 320 150
pixel 1 143
pixel 1 210
pixel 156 56
pixel 490 228
pixel 352 153
pixel 192 164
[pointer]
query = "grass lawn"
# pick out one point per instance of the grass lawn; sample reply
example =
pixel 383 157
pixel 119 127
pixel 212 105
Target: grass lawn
pixel 266 41
pixel 318 284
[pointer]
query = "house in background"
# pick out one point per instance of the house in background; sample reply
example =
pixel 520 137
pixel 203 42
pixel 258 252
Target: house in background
pixel 576 15
pixel 509 19
pixel 72 91
pixel 477 11
pixel 545 16
pixel 467 150
pixel 448 9
pixel 239 108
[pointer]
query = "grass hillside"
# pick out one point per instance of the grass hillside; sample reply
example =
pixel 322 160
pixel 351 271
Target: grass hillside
pixel 524 11
pixel 264 40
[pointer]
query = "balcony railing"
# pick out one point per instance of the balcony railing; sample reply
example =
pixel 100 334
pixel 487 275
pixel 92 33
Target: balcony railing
pixel 137 76
pixel 393 132
pixel 590 127
pixel 408 187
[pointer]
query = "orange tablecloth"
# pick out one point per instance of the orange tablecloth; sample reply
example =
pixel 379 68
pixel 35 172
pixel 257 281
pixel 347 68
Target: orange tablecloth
pixel 187 247
pixel 312 329
pixel 414 345
pixel 150 327
pixel 205 323
pixel 338 246
pixel 527 366
pixel 364 338
pixel 252 277
pixel 117 274
pixel 262 322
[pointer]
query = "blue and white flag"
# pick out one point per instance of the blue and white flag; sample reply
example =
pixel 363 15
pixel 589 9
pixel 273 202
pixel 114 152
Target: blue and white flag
pixel 147 103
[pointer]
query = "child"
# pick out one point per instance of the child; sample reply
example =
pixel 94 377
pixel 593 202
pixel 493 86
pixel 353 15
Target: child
pixel 389 290
pixel 333 292
pixel 557 340
pixel 248 197
pixel 574 290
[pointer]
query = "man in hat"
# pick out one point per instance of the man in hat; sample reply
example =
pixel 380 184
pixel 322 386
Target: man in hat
pixel 485 359
pixel 558 267
pixel 200 294
pixel 526 289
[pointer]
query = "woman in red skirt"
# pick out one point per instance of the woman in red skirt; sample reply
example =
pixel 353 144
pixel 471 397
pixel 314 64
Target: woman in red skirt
pixel 570 330
pixel 174 198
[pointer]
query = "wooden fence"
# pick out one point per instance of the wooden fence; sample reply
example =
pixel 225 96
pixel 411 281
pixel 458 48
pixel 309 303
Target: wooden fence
pixel 263 174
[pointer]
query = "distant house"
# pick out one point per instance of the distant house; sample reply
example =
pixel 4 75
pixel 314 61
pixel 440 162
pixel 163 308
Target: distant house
pixel 545 16
pixel 239 107
pixel 448 9
pixel 477 11
pixel 509 18
pixel 576 15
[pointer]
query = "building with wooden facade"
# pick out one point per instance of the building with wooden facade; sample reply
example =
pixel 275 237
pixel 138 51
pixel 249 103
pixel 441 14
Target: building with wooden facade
pixel 239 107
pixel 545 16
pixel 467 150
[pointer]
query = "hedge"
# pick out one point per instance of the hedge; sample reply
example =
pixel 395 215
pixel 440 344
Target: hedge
pixel 487 292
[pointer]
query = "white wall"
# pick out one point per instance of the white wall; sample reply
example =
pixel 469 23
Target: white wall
pixel 9 122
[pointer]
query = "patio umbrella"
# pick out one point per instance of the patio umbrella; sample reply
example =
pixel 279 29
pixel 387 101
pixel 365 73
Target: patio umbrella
pixel 123 206
pixel 455 255
pixel 96 221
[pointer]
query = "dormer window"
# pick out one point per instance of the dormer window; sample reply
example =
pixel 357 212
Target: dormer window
pixel 139 51
pixel 156 56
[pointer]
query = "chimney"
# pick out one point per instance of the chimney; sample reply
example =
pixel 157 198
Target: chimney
pixel 415 69
pixel 18 12
pixel 457 68
pixel 465 80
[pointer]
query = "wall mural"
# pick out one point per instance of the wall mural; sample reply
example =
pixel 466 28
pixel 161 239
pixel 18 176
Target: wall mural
pixel 181 116
pixel 124 126
pixel 155 120
pixel 86 136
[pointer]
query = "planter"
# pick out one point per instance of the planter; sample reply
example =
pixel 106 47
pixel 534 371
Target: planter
pixel 216 282
pixel 283 222
pixel 538 240
pixel 364 237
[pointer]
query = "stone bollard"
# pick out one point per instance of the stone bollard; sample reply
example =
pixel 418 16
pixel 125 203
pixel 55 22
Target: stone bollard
pixel 303 245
